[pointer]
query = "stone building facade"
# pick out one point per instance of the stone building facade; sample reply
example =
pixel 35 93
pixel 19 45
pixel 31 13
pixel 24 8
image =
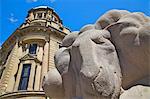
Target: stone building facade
pixel 27 55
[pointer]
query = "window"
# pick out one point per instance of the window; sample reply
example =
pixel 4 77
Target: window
pixel 24 77
pixel 32 48
pixel 34 15
pixel 39 15
pixel 55 19
pixel 44 15
pixel 52 18
pixel 61 28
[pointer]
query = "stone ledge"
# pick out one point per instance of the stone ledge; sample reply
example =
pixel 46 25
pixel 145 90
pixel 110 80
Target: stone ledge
pixel 22 94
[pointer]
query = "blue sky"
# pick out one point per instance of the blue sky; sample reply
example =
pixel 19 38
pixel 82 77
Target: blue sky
pixel 74 13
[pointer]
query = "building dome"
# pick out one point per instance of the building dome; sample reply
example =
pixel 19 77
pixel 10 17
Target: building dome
pixel 43 13
pixel 44 16
pixel 41 7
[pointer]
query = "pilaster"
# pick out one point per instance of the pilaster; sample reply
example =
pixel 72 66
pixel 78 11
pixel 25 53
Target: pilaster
pixel 45 62
pixel 37 78
pixel 40 53
pixel 31 78
pixel 18 77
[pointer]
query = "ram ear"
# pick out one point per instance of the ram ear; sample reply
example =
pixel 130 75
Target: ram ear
pixel 115 30
pixel 69 39
pixel 110 17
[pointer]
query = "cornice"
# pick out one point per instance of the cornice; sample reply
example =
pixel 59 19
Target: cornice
pixel 31 29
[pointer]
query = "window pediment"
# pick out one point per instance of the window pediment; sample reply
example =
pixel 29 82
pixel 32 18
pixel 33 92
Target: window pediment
pixel 30 57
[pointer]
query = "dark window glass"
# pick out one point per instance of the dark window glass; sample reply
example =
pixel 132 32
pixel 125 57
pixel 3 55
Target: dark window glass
pixel 61 28
pixel 39 15
pixel 44 15
pixel 32 48
pixel 24 77
pixel 34 15
pixel 55 19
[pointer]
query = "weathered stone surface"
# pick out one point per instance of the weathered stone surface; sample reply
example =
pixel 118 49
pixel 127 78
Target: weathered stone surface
pixel 89 67
pixel 131 37
pixel 136 92
pixel 97 61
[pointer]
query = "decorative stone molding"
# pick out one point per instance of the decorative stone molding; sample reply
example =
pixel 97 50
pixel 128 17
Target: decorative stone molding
pixel 30 57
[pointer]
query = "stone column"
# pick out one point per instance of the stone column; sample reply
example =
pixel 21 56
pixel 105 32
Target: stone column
pixel 31 77
pixel 27 48
pixel 37 78
pixel 42 15
pixel 44 62
pixel 20 52
pixel 40 53
pixel 18 77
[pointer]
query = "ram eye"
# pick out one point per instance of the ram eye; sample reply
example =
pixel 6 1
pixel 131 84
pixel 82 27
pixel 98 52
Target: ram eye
pixel 99 40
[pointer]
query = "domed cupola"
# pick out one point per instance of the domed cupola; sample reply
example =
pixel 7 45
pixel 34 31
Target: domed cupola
pixel 43 16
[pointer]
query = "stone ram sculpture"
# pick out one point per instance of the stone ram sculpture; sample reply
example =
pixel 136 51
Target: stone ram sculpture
pixel 102 59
